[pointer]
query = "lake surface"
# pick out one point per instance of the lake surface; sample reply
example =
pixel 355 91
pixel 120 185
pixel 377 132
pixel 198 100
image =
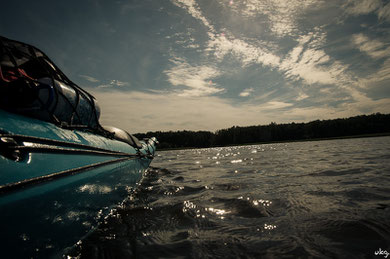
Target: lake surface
pixel 321 199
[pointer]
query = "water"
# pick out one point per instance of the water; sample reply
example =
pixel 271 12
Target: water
pixel 321 199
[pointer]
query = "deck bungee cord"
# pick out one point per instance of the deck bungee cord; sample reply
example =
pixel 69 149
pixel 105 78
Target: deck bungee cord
pixel 26 69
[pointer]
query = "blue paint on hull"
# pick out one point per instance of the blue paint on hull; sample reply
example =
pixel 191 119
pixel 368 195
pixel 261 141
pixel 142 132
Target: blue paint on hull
pixel 44 218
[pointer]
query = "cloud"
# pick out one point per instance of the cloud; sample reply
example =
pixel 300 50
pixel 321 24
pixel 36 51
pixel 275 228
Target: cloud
pixel 307 62
pixel 383 72
pixel 379 78
pixel 192 8
pixel 282 15
pixel 301 96
pixel 274 105
pixel 246 53
pixel 384 13
pixel 361 7
pixel 197 79
pixel 114 84
pixel 246 92
pixel 358 7
pixel 184 39
pixel 373 48
pixel 89 78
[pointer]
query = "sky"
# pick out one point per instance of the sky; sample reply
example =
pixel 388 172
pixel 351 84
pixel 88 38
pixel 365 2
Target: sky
pixel 159 65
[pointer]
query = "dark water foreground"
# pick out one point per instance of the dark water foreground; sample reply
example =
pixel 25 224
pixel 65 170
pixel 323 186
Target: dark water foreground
pixel 323 199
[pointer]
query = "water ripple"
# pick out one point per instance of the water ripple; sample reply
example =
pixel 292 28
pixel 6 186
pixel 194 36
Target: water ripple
pixel 326 199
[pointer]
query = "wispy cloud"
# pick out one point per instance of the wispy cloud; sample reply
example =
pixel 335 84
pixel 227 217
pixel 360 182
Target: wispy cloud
pixel 89 78
pixel 247 53
pixel 192 7
pixel 114 84
pixel 307 61
pixel 359 7
pixel 384 12
pixel 282 15
pixel 372 47
pixel 274 105
pixel 379 78
pixel 111 84
pixel 184 39
pixel 377 50
pixel 197 79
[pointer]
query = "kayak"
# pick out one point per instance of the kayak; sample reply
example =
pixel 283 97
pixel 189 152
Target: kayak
pixel 61 171
pixel 51 195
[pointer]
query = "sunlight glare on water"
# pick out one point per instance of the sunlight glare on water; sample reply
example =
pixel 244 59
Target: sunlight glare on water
pixel 306 199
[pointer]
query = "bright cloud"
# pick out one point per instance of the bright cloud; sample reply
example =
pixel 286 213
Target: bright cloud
pixel 282 15
pixel 302 96
pixel 274 105
pixel 192 7
pixel 359 7
pixel 307 61
pixel 246 92
pixel 197 79
pixel 113 84
pixel 248 54
pixel 89 78
pixel 373 48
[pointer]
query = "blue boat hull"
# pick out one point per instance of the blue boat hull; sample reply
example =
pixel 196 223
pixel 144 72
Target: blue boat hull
pixel 61 184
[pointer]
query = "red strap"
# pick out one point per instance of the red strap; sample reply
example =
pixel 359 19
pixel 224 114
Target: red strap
pixel 2 77
pixel 22 72
pixel 12 75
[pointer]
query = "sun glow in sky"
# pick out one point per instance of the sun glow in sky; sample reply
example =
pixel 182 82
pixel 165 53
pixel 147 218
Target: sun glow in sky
pixel 211 64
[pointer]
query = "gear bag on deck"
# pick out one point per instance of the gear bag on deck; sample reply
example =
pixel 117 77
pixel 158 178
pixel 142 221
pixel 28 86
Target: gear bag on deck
pixel 31 85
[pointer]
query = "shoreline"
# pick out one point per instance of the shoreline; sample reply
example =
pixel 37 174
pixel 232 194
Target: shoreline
pixel 373 135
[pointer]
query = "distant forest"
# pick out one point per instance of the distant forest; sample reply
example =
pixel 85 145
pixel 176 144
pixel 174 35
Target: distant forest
pixel 359 125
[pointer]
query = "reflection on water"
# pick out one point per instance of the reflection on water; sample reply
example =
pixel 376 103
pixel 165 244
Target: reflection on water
pixel 306 199
pixel 95 188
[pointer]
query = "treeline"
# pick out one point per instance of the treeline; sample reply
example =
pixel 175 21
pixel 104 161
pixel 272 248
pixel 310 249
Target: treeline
pixel 358 125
